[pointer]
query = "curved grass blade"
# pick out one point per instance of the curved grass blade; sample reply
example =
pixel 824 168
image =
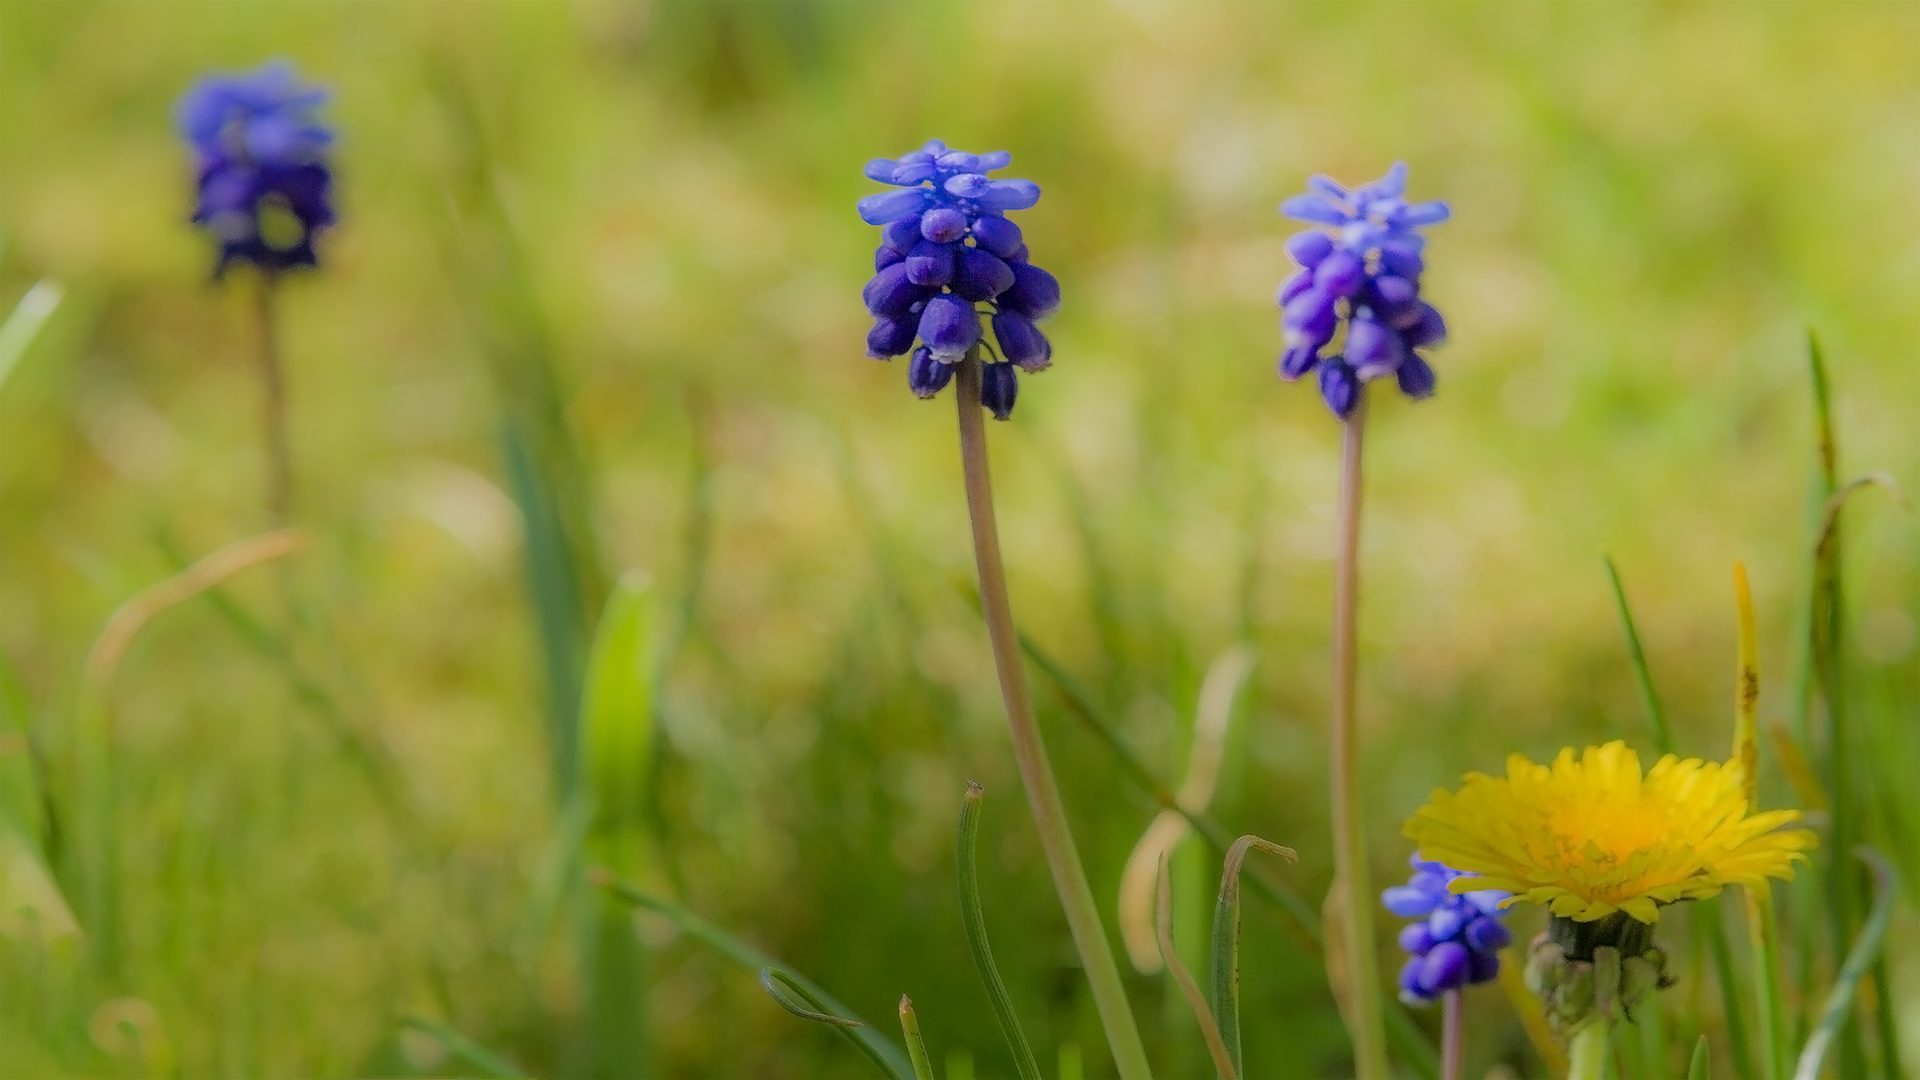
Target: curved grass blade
pixel 490 1064
pixel 1301 918
pixel 1866 948
pixel 877 1045
pixel 98 851
pixel 975 922
pixel 779 983
pixel 1223 1062
pixel 1226 941
pixel 916 1046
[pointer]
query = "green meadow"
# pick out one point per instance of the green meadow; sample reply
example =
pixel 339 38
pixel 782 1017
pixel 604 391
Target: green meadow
pixel 332 802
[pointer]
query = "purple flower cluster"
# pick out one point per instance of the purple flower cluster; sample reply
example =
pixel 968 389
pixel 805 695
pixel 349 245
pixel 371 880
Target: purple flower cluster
pixel 1458 939
pixel 260 152
pixel 1365 276
pixel 946 245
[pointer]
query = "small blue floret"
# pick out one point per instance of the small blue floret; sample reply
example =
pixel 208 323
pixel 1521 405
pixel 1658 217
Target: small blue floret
pixel 264 181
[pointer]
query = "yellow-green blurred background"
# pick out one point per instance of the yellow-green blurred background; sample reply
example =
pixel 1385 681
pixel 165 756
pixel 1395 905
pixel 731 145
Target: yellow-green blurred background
pixel 646 210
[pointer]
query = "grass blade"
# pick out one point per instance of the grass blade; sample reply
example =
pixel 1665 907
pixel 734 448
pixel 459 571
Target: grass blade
pixel 1226 942
pixel 1702 1060
pixel 29 316
pixel 916 1046
pixel 1839 1004
pixel 975 922
pixel 1643 675
pixel 490 1064
pixel 1223 1062
pixel 752 959
pixel 1708 913
pixel 1762 935
pixel 779 983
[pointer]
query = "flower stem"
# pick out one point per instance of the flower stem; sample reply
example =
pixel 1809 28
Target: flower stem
pixel 1587 1054
pixel 1349 834
pixel 1029 750
pixel 1453 1036
pixel 274 386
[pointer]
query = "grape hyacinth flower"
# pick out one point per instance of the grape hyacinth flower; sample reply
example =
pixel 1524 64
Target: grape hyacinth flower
pixel 260 154
pixel 947 247
pixel 1363 276
pixel 1458 937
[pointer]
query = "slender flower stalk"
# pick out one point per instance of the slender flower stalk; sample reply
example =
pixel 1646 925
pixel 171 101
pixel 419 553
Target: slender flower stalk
pixel 1354 313
pixel 1453 1036
pixel 946 247
pixel 273 385
pixel 1349 830
pixel 264 191
pixel 1030 750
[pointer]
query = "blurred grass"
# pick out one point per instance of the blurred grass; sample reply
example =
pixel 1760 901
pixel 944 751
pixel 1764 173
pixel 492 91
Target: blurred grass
pixel 645 209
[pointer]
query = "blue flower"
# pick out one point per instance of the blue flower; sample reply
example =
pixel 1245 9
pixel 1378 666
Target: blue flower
pixel 1458 938
pixel 260 152
pixel 1364 276
pixel 946 247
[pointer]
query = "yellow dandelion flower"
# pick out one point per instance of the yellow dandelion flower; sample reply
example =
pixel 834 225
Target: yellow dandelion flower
pixel 1589 836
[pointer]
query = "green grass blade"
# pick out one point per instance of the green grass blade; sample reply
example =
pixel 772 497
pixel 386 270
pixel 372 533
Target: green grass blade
pixel 1642 673
pixel 916 1046
pixel 1711 917
pixel 1860 958
pixel 751 959
pixel 779 984
pixel 1702 1060
pixel 975 922
pixel 616 709
pixel 490 1064
pixel 1226 942
pixel 29 317
pixel 553 588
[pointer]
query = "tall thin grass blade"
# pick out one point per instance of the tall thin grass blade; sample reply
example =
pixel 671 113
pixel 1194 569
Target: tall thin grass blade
pixel 752 959
pixel 490 1064
pixel 1642 672
pixel 615 744
pixel 1226 942
pixel 1762 935
pixel 1839 1003
pixel 1708 912
pixel 974 920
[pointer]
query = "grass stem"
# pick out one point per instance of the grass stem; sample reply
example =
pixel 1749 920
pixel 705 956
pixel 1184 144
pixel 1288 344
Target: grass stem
pixel 1030 750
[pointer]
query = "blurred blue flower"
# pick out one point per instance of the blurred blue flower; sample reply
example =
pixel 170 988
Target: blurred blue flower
pixel 1364 276
pixel 947 246
pixel 260 150
pixel 1458 938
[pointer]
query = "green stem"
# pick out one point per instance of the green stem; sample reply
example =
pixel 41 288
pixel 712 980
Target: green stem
pixel 273 385
pixel 1712 921
pixel 1764 936
pixel 1587 1054
pixel 1349 832
pixel 1030 750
